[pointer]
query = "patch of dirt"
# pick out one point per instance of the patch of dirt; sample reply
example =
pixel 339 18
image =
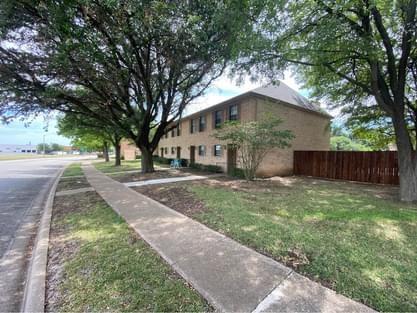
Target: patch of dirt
pixel 72 183
pixel 256 186
pixel 130 177
pixel 284 185
pixel 174 196
pixel 295 258
pixel 61 247
pixel 386 192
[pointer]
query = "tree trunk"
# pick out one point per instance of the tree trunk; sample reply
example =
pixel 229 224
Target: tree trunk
pixel 117 161
pixel 106 152
pixel 408 180
pixel 146 160
pixel 407 161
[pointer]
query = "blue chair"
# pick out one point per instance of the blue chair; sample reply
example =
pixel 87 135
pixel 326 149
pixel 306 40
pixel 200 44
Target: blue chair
pixel 176 163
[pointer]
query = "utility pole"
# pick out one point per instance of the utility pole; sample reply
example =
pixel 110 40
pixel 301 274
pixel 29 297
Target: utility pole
pixel 43 146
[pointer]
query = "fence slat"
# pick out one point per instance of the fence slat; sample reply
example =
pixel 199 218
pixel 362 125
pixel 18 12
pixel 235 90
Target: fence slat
pixel 379 167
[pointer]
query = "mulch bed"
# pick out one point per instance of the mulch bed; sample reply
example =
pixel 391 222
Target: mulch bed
pixel 174 196
pixel 62 248
pixel 130 177
pixel 72 183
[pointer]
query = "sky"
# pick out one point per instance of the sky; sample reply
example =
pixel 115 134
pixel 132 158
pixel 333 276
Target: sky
pixel 18 132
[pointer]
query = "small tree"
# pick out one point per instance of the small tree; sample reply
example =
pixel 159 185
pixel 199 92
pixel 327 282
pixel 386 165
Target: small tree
pixel 253 140
pixel 90 131
pixel 43 148
pixel 57 147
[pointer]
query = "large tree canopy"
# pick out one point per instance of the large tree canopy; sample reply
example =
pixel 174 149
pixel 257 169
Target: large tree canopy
pixel 137 63
pixel 359 54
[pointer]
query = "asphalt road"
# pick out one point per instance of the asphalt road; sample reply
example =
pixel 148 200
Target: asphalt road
pixel 24 187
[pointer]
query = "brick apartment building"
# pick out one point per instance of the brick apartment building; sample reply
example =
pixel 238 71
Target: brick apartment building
pixel 192 139
pixel 128 150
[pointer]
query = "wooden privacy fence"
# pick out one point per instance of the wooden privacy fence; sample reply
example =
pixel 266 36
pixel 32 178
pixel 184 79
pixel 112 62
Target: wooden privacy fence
pixel 378 167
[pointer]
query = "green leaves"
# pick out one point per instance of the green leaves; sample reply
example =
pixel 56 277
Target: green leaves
pixel 134 65
pixel 264 133
pixel 253 140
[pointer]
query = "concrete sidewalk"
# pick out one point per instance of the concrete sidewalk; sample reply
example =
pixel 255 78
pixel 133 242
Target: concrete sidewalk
pixel 232 277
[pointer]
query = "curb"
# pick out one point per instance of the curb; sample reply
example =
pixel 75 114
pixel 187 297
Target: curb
pixel 34 294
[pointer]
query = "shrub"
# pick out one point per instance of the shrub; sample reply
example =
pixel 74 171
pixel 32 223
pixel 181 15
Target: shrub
pixel 238 173
pixel 162 160
pixel 208 168
pixel 253 140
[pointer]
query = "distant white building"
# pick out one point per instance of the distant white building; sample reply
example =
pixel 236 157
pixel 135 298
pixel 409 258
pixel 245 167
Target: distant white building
pixel 17 149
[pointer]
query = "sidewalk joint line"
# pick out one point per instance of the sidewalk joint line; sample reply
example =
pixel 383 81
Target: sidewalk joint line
pixel 261 305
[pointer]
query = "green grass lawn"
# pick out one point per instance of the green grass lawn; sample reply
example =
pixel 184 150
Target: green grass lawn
pixel 73 169
pixel 358 244
pixel 107 267
pixel 108 167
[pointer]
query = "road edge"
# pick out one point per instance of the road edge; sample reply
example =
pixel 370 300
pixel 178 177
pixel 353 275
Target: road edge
pixel 34 293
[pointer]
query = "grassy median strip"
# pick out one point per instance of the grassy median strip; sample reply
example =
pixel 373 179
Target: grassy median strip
pixel 97 263
pixel 109 167
pixel 73 169
pixel 354 242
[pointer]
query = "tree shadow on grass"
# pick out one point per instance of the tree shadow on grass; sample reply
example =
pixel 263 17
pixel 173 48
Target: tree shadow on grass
pixel 358 244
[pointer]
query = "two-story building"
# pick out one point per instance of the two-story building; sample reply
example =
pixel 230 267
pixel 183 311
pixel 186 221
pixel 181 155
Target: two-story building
pixel 193 138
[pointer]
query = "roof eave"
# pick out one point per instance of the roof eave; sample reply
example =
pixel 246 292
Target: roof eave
pixel 297 107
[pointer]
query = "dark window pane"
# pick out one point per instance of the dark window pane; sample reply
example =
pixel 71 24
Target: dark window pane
pixel 201 150
pixel 233 112
pixel 217 150
pixel 193 126
pixel 202 124
pixel 218 118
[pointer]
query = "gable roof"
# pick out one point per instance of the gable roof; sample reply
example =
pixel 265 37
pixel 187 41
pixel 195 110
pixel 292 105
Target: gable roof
pixel 279 92
pixel 284 93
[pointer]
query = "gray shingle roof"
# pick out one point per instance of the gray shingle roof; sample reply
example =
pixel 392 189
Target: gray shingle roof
pixel 283 92
pixel 279 92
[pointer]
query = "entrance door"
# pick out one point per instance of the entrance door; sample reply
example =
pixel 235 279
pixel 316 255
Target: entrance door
pixel 192 154
pixel 178 152
pixel 231 159
pixel 162 152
